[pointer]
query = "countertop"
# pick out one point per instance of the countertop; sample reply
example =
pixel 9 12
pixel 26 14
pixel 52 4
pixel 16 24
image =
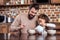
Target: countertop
pixel 32 37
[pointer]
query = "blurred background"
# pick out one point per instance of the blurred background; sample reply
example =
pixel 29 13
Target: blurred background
pixel 9 9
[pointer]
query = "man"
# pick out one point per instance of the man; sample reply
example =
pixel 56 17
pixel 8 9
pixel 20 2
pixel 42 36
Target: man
pixel 26 21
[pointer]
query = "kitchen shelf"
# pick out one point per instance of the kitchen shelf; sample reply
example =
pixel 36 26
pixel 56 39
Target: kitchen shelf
pixel 14 5
pixel 54 22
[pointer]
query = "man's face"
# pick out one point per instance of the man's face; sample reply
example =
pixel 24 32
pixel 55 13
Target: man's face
pixel 32 13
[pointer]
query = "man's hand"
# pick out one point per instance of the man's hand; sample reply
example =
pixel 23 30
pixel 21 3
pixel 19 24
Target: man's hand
pixel 22 26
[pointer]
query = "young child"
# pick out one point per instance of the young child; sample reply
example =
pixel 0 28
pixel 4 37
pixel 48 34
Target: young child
pixel 43 24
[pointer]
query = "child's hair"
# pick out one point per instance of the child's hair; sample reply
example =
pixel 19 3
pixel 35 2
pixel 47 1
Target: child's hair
pixel 45 17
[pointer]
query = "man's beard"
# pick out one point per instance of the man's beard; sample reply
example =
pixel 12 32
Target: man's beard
pixel 30 16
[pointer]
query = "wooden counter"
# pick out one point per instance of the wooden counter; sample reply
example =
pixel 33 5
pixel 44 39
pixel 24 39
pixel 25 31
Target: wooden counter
pixel 4 27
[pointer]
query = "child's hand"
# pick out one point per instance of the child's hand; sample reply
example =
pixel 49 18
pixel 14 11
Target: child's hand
pixel 31 31
pixel 43 24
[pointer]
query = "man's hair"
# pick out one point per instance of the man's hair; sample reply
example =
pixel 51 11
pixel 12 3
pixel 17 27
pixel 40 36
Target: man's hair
pixel 36 6
pixel 45 17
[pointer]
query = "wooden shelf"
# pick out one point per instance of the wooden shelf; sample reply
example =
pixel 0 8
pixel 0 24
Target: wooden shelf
pixel 14 5
pixel 55 22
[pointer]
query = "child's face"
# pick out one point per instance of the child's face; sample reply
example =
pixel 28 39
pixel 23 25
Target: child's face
pixel 41 21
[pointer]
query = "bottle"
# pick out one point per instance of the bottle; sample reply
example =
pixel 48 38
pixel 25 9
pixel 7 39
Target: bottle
pixel 9 19
pixel 22 1
pixel 59 18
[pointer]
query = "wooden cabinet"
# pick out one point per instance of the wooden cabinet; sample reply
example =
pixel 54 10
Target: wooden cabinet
pixel 57 28
pixel 2 2
pixel 55 1
pixel 4 28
